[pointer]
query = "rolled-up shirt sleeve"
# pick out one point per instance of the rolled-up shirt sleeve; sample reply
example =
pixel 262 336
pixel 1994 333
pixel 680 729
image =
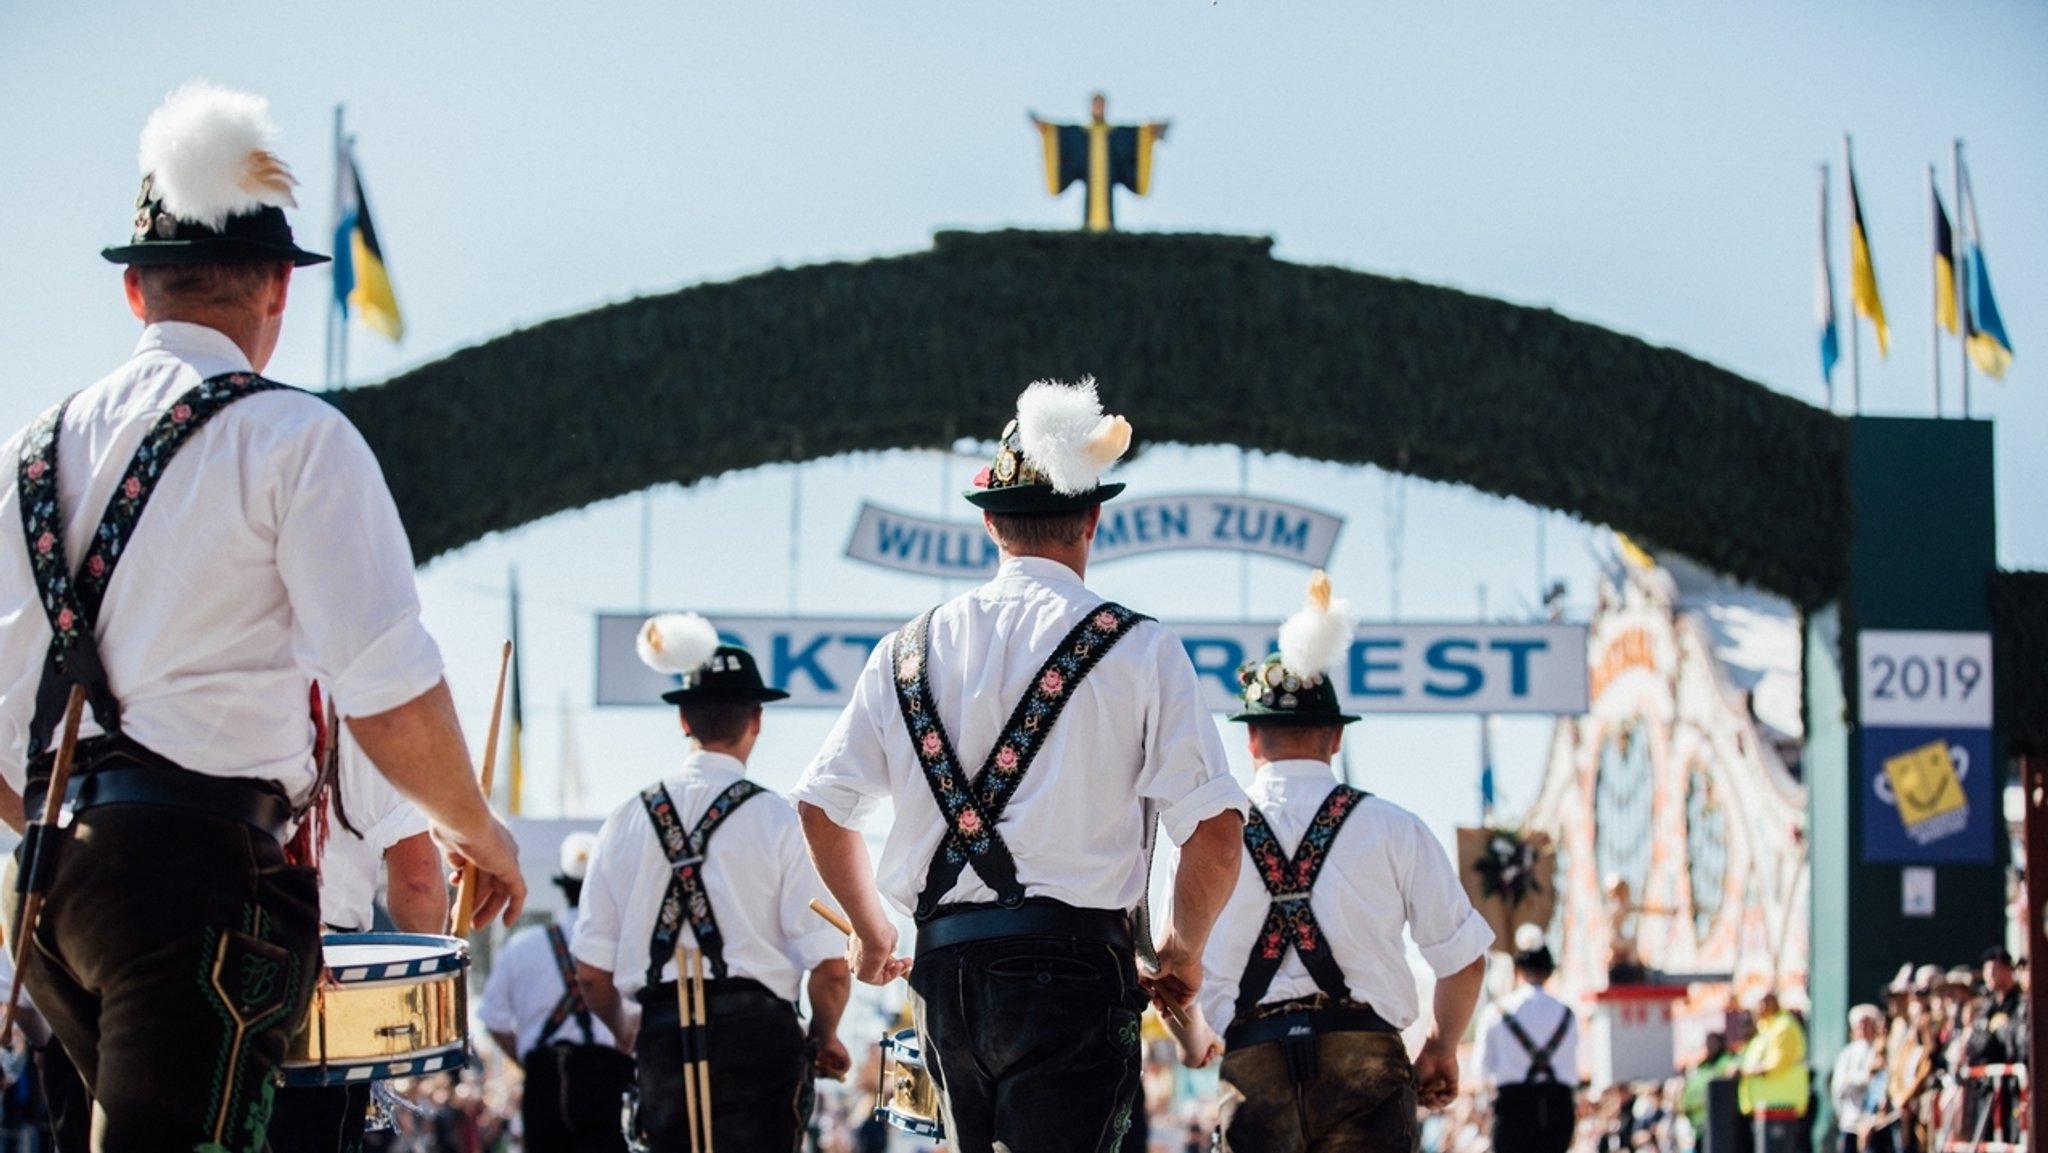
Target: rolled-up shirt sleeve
pixel 1448 931
pixel 347 567
pixel 850 775
pixel 1186 773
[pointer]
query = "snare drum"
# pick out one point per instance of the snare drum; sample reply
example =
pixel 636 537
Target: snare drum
pixel 909 1098
pixel 389 1005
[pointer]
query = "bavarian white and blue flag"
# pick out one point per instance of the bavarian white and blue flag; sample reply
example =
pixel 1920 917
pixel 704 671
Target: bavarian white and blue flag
pixel 1989 347
pixel 1824 296
pixel 360 277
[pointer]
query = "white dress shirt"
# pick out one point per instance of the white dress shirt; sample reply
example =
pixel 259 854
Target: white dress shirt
pixel 1385 870
pixel 756 873
pixel 1502 1059
pixel 526 985
pixel 349 866
pixel 270 555
pixel 1134 738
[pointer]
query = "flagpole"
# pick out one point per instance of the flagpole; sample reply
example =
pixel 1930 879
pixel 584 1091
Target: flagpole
pixel 334 230
pixel 1962 279
pixel 1855 329
pixel 1934 279
pixel 516 778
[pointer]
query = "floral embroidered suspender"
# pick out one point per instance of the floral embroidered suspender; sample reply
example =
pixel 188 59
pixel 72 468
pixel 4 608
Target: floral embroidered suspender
pixel 973 809
pixel 72 602
pixel 1289 921
pixel 571 1003
pixel 686 896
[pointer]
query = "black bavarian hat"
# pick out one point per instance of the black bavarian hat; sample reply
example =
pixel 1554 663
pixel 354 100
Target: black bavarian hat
pixel 1293 686
pixel 730 676
pixel 1052 455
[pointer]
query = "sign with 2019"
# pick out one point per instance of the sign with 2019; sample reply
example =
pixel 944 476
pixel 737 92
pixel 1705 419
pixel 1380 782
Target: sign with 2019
pixel 1403 668
pixel 1129 527
pixel 1924 699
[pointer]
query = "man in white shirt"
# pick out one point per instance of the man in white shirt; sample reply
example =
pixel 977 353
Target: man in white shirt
pixel 1306 975
pixel 534 1008
pixel 1087 726
pixel 708 859
pixel 257 549
pixel 1529 1054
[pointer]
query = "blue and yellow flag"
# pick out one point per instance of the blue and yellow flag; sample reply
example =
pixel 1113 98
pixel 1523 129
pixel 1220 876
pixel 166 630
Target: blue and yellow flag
pixel 1989 347
pixel 360 277
pixel 1944 269
pixel 1863 294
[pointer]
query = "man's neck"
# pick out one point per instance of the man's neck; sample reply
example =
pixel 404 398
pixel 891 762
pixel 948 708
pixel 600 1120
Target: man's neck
pixel 1074 558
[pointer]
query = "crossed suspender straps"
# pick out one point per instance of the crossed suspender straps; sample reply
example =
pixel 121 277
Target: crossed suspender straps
pixel 1539 1057
pixel 686 897
pixel 71 600
pixel 972 809
pixel 571 1004
pixel 1290 922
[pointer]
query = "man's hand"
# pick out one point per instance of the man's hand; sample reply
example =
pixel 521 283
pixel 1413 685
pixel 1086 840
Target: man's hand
pixel 499 885
pixel 833 1061
pixel 1436 1075
pixel 1177 979
pixel 871 954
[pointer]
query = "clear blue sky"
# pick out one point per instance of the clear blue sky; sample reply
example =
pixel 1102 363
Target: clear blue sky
pixel 1650 168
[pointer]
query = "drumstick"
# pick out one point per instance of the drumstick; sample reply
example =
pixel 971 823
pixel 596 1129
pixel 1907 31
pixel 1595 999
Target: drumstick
pixel 465 890
pixel 835 917
pixel 53 804
pixel 704 1057
pixel 689 1045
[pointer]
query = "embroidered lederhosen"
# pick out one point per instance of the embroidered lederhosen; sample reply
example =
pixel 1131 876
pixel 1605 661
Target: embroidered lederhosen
pixel 685 897
pixel 1540 1057
pixel 972 809
pixel 71 600
pixel 1290 922
pixel 571 1004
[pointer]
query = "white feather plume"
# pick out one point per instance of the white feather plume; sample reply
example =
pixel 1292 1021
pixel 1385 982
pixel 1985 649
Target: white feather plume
pixel 676 642
pixel 1064 434
pixel 209 152
pixel 1528 938
pixel 1316 638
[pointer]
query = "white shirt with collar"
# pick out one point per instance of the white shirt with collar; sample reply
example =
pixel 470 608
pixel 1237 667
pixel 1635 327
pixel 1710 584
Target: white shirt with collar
pixel 1134 738
pixel 757 875
pixel 1385 871
pixel 349 866
pixel 1501 1058
pixel 526 984
pixel 270 555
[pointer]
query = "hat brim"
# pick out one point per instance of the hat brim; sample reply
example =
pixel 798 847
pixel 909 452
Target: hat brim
pixel 1031 498
pixel 722 696
pixel 210 250
pixel 1293 720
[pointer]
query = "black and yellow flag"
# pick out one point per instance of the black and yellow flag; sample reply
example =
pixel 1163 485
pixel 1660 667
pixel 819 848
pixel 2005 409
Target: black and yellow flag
pixel 1863 274
pixel 1944 269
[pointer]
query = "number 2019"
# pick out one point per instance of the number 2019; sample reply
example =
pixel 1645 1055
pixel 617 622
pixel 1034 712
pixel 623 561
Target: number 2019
pixel 1916 677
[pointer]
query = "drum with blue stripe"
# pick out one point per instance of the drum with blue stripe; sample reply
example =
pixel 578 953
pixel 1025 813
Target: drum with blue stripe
pixel 388 1005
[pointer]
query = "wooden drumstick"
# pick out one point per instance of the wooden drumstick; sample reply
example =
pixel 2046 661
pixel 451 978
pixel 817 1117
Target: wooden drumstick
pixel 836 918
pixel 704 1057
pixel 689 1048
pixel 465 890
pixel 53 805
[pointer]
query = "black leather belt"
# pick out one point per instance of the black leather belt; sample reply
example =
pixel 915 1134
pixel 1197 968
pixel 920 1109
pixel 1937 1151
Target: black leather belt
pixel 1036 917
pixel 1278 1026
pixel 259 804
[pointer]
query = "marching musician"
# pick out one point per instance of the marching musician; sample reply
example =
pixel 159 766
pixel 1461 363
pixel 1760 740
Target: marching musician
pixel 708 858
pixel 1529 1053
pixel 534 1008
pixel 1306 974
pixel 1028 734
pixel 199 545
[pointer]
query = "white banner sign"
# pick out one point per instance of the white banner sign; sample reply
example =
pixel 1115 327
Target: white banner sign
pixel 1483 668
pixel 1923 679
pixel 1129 527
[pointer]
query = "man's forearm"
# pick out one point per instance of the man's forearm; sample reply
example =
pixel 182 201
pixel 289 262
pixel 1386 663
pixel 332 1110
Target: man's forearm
pixel 418 746
pixel 1207 875
pixel 11 808
pixel 840 855
pixel 829 985
pixel 603 998
pixel 1456 996
pixel 416 890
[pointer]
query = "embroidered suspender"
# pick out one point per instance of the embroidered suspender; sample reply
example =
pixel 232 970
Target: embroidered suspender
pixel 571 1003
pixel 1290 922
pixel 72 601
pixel 685 896
pixel 1539 1059
pixel 972 809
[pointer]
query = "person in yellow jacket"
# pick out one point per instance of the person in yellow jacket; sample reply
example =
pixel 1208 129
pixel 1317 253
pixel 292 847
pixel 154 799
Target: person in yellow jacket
pixel 1773 1078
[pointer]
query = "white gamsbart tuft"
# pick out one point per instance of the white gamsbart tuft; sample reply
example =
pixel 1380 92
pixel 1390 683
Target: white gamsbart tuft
pixel 1064 434
pixel 1528 938
pixel 676 642
pixel 1316 638
pixel 210 153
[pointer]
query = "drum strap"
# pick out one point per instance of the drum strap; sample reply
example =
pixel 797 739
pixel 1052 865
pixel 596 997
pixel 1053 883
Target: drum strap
pixel 686 896
pixel 1540 1057
pixel 71 600
pixel 1290 922
pixel 973 809
pixel 571 1003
